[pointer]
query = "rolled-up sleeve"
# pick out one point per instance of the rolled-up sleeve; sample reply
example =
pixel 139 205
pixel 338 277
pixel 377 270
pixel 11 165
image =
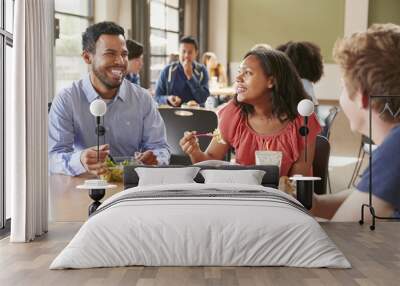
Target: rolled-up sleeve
pixel 154 133
pixel 63 159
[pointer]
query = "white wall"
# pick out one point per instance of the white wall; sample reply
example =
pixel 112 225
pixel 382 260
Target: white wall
pixel 125 19
pixel 105 10
pixel 118 11
pixel 329 86
pixel 218 29
pixel 190 18
pixel 356 20
pixel 355 16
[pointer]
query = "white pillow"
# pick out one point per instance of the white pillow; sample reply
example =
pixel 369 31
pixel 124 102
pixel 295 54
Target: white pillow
pixel 166 176
pixel 249 177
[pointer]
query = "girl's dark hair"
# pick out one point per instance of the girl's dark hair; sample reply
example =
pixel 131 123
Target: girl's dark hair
pixel 306 57
pixel 287 91
pixel 93 33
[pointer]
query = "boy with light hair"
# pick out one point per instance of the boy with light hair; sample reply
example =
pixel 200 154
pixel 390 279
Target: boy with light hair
pixel 370 64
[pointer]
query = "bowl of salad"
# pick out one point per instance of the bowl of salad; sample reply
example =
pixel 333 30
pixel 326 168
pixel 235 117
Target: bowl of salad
pixel 115 167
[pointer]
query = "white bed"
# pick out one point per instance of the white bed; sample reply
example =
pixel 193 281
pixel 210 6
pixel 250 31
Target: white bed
pixel 221 225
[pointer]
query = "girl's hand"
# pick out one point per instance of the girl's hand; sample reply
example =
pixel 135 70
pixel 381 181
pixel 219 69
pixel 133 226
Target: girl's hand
pixel 189 143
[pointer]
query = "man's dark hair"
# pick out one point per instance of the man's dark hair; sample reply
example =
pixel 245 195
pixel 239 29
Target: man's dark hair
pixel 135 49
pixel 306 57
pixel 189 40
pixel 287 91
pixel 93 33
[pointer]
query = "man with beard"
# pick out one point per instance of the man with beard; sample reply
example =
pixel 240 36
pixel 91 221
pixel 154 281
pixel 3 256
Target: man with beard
pixel 132 123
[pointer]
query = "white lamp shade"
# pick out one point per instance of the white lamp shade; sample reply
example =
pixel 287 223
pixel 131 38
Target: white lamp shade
pixel 305 107
pixel 98 107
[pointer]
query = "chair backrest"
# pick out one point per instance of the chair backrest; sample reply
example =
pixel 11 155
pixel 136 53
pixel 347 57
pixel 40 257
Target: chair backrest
pixel 321 163
pixel 365 142
pixel 179 120
pixel 326 130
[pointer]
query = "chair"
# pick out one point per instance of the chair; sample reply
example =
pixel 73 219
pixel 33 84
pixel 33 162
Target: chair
pixel 327 120
pixel 364 149
pixel 321 163
pixel 179 120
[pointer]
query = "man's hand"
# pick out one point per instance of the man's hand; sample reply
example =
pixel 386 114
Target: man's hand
pixel 188 69
pixel 147 158
pixel 89 159
pixel 174 100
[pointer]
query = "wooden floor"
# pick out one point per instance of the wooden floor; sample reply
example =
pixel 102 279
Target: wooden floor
pixel 374 255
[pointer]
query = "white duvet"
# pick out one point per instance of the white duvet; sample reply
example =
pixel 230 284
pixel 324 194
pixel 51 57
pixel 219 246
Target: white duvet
pixel 187 231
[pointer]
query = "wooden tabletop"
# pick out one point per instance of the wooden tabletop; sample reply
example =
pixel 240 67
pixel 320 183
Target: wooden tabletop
pixel 69 204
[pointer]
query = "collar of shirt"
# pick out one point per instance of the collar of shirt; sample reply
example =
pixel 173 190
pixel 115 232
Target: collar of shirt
pixel 91 93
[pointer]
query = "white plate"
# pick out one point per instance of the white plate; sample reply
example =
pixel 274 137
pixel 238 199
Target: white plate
pixel 303 178
pixel 91 187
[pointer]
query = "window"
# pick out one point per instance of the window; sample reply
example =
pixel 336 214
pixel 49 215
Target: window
pixel 6 44
pixel 73 17
pixel 164 34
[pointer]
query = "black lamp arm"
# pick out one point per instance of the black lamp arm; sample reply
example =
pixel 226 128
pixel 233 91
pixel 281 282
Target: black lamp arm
pixel 98 137
pixel 304 132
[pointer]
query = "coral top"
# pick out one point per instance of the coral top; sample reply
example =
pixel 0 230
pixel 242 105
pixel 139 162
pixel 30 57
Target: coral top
pixel 236 131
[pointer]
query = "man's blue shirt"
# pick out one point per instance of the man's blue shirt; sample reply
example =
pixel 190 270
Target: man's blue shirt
pixel 132 123
pixel 195 88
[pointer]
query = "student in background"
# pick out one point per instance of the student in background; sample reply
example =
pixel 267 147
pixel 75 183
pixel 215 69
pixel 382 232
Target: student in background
pixel 183 81
pixel 262 116
pixel 216 71
pixel 135 61
pixel 307 58
pixel 370 64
